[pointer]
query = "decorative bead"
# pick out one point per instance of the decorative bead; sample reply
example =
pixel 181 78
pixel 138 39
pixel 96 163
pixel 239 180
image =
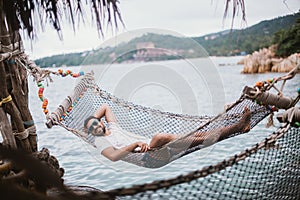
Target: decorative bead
pixel 259 84
pixel 271 80
pixel 45 104
pixel 60 71
pixel 258 102
pixel 274 108
pixel 297 124
pixel 298 90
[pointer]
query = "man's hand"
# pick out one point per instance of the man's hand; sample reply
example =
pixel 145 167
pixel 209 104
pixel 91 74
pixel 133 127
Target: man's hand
pixel 142 147
pixel 116 154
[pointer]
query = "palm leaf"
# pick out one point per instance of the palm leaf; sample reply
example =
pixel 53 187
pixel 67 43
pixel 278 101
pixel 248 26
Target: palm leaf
pixel 28 14
pixel 237 5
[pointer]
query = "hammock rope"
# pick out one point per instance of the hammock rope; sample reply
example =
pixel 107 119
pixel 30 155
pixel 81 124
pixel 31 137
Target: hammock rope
pixel 88 96
pixel 201 184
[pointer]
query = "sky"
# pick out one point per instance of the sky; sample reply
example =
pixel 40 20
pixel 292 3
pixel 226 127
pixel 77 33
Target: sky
pixel 186 18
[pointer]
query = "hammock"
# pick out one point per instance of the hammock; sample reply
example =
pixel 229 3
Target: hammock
pixel 88 96
pixel 268 170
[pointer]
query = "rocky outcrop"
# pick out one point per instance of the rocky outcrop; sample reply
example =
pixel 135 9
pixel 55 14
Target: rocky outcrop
pixel 264 60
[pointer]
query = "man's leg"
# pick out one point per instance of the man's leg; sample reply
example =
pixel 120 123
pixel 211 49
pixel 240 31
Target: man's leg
pixel 161 139
pixel 206 138
pixel 210 137
pixel 243 125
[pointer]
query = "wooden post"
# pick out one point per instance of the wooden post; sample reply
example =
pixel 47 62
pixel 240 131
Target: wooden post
pixel 10 107
pixel 12 110
pixel 5 129
pixel 19 92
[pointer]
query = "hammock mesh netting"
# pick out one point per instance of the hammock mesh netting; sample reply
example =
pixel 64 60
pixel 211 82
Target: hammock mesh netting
pixel 146 122
pixel 268 170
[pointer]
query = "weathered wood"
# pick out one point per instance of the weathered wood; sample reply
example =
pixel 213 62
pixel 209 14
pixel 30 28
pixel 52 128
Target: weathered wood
pixel 12 110
pixel 10 106
pixel 7 83
pixel 6 131
pixel 19 92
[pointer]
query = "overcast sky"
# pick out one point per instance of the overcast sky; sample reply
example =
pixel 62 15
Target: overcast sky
pixel 187 18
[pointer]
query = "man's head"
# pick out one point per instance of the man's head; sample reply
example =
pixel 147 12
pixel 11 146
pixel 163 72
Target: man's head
pixel 94 126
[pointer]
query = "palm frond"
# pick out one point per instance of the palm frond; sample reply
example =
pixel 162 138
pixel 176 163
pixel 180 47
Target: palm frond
pixel 26 14
pixel 237 5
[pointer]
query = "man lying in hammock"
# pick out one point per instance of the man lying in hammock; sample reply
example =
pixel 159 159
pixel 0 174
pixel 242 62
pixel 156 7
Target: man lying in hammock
pixel 115 143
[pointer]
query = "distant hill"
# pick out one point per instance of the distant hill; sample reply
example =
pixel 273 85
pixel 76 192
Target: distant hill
pixel 246 40
pixel 152 46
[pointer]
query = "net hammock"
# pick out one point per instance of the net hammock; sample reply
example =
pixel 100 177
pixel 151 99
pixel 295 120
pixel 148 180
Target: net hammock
pixel 143 121
pixel 268 170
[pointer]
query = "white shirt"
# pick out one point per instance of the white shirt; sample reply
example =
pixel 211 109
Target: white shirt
pixel 117 138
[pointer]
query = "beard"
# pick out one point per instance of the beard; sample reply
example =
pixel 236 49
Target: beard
pixel 100 131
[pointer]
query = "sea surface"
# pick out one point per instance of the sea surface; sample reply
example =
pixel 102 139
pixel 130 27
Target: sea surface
pixel 181 86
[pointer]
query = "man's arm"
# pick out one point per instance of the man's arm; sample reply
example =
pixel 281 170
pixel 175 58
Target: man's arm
pixel 105 111
pixel 114 154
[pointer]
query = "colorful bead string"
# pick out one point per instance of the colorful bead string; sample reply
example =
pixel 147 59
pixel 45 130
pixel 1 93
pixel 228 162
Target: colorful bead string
pixel 42 88
pixel 65 114
pixel 69 72
pixel 260 84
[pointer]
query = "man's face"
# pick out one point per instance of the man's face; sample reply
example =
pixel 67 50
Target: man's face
pixel 96 127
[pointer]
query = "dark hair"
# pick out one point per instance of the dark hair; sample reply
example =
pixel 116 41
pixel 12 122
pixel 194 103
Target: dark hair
pixel 86 121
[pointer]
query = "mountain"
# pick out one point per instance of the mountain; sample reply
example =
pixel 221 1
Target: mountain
pixel 151 46
pixel 246 40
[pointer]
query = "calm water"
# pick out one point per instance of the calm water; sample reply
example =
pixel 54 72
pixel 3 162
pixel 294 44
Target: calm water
pixel 180 89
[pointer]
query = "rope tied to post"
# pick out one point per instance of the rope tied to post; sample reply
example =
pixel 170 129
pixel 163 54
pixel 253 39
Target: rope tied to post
pixel 5 100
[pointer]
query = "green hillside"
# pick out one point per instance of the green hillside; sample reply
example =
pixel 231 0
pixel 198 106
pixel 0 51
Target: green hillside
pixel 246 40
pixel 152 46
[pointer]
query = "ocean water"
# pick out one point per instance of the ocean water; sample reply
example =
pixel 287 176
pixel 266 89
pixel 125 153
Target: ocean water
pixel 182 86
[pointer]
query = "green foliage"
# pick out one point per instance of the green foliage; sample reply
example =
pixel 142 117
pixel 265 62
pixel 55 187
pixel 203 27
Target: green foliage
pixel 246 40
pixel 288 41
pixel 60 60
